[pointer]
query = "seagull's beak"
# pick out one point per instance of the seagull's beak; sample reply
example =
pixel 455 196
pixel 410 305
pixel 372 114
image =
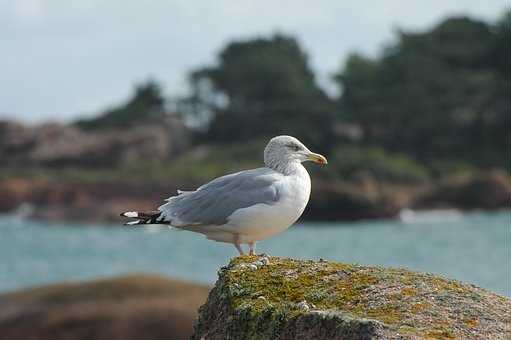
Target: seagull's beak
pixel 317 158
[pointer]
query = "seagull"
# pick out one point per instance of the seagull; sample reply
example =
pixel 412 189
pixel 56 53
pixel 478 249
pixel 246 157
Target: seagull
pixel 246 206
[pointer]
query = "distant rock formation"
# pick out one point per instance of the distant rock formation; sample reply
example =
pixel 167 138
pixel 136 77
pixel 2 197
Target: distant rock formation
pixel 62 201
pixel 482 190
pixel 56 145
pixel 67 173
pixel 137 307
pixel 276 298
pixel 353 201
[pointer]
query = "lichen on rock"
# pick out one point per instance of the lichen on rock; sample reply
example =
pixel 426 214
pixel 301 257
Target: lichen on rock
pixel 269 297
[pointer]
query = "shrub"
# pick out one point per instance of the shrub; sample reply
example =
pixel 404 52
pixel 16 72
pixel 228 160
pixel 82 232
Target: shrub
pixel 350 161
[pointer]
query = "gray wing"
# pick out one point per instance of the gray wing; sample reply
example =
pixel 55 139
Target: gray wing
pixel 215 201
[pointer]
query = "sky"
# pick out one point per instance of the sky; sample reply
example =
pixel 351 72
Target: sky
pixel 62 59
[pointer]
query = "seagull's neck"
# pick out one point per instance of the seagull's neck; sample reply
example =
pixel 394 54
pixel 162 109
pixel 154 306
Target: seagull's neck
pixel 288 168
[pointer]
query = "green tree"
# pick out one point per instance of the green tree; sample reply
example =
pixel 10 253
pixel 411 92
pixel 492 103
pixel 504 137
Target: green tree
pixel 262 87
pixel 432 94
pixel 147 102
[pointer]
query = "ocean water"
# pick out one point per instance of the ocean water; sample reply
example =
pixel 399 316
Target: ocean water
pixel 474 248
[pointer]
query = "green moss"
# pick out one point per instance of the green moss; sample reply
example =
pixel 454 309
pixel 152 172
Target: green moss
pixel 439 333
pixel 411 303
pixel 294 286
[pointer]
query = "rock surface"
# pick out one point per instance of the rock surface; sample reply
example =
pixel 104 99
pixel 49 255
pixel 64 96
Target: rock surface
pixel 72 201
pixel 483 190
pixel 270 298
pixel 136 307
pixel 59 145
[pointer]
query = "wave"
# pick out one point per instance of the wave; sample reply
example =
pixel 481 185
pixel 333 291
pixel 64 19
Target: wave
pixel 430 216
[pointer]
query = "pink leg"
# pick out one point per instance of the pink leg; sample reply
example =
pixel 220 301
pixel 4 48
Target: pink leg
pixel 251 247
pixel 237 244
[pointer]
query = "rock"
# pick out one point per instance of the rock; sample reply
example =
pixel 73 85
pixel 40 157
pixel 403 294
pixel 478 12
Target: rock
pixel 303 306
pixel 57 145
pixel 335 201
pixel 136 307
pixel 482 190
pixel 71 201
pixel 327 300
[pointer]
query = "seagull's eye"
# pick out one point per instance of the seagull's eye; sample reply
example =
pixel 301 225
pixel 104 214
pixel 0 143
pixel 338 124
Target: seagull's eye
pixel 293 146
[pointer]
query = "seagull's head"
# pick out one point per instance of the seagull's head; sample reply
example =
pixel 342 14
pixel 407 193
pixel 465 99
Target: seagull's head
pixel 283 150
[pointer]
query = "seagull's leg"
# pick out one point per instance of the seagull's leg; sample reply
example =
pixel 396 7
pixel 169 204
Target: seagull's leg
pixel 251 247
pixel 237 244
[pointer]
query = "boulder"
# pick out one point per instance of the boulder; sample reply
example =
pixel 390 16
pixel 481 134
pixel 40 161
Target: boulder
pixel 134 307
pixel 278 298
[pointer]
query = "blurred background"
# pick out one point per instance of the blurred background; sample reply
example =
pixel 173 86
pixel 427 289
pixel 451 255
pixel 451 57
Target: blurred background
pixel 107 106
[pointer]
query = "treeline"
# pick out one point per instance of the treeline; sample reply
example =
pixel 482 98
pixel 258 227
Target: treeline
pixel 437 95
pixel 440 98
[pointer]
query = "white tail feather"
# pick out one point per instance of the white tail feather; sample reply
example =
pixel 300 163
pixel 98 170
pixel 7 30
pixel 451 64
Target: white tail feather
pixel 130 214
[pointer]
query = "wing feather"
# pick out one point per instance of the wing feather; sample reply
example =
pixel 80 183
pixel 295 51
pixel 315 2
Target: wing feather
pixel 214 202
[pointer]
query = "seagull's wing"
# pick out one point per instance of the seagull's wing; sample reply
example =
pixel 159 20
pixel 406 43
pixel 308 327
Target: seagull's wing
pixel 215 201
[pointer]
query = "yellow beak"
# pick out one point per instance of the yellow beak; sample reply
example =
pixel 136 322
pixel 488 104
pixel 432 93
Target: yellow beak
pixel 317 158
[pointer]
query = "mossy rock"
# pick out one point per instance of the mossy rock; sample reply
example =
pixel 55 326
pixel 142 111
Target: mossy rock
pixel 277 298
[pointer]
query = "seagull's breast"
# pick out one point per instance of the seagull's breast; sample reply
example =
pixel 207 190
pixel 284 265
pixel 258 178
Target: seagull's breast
pixel 261 221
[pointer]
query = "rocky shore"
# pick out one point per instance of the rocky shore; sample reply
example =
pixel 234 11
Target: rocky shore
pixel 61 172
pixel 268 298
pixel 54 200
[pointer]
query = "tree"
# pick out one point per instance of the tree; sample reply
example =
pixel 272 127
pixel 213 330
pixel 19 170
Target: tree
pixel 146 103
pixel 261 87
pixel 431 94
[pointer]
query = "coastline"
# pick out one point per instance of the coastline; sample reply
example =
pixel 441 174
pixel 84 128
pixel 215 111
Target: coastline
pixel 70 200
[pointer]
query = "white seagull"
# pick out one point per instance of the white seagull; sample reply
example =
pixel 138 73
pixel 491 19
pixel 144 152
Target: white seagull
pixel 247 206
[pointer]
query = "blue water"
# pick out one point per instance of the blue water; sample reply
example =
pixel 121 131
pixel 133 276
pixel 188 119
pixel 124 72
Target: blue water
pixel 475 248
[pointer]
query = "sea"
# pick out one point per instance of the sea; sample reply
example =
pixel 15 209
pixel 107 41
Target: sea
pixel 474 248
